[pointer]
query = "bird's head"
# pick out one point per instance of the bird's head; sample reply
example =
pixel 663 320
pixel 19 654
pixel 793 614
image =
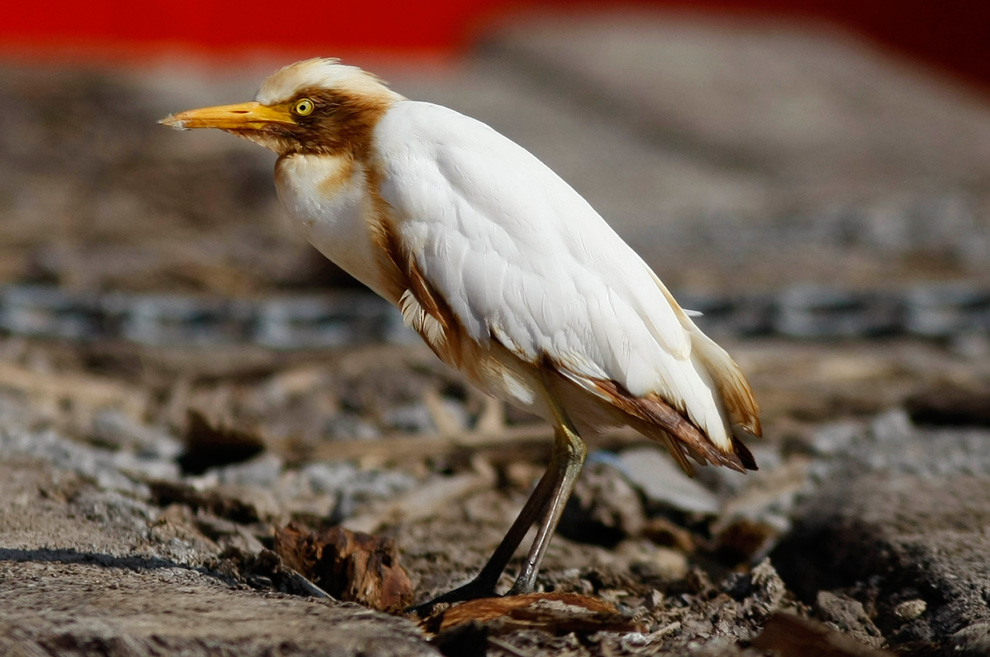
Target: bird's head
pixel 316 106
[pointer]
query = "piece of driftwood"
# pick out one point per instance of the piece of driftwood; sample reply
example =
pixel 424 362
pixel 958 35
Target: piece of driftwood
pixel 350 566
pixel 555 612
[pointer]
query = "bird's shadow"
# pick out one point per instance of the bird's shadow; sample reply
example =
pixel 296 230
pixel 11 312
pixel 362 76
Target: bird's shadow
pixel 263 572
pixel 72 556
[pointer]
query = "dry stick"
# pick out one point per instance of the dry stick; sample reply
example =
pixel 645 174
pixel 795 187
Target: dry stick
pixel 506 647
pixel 501 447
pixel 83 388
pixel 425 501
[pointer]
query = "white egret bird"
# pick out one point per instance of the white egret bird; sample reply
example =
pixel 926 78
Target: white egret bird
pixel 505 271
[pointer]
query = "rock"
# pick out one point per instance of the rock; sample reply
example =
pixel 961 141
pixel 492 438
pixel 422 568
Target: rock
pixel 660 480
pixel 410 418
pixel 788 635
pixel 263 471
pixel 761 591
pixel 662 531
pixel 328 477
pixel 910 609
pixel 653 563
pixel 603 509
pixel 893 427
pixel 145 467
pixel 972 640
pixel 117 430
pixel 834 438
pixel 892 443
pixel 940 310
pixel 339 487
pixel 814 311
pixel 759 508
pixel 350 426
pixel 743 540
pixel 951 406
pixel 899 538
pixel 100 465
pixel 212 441
pixel 848 615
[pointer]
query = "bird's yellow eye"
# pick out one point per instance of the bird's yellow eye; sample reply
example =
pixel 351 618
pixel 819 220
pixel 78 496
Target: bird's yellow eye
pixel 304 107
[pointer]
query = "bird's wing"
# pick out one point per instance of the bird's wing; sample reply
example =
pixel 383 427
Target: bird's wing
pixel 520 257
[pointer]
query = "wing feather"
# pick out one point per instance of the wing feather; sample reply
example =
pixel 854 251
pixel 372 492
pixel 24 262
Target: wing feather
pixel 518 255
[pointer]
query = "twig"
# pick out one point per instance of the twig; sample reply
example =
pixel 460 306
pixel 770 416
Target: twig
pixel 505 647
pixel 423 502
pixel 88 390
pixel 497 448
pixel 306 585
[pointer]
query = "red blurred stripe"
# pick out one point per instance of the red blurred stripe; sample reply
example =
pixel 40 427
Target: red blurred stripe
pixel 433 24
pixel 953 33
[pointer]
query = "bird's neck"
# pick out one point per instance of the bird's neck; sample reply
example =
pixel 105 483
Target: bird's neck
pixel 327 196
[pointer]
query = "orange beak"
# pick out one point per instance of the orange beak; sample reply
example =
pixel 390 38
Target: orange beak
pixel 243 116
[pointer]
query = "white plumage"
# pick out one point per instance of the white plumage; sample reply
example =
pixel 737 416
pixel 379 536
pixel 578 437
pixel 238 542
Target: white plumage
pixel 519 255
pixel 506 272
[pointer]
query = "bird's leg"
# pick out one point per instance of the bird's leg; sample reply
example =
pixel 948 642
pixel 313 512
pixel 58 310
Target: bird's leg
pixel 566 461
pixel 545 503
pixel 483 585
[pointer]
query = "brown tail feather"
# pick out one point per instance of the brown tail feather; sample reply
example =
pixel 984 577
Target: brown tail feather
pixel 702 451
pixel 675 449
pixel 733 388
pixel 657 419
pixel 745 456
pixel 654 417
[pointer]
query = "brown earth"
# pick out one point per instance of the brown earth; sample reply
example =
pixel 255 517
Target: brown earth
pixel 141 486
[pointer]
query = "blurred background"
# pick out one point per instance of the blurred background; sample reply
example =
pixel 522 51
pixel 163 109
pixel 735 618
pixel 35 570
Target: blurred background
pixel 740 145
pixel 812 175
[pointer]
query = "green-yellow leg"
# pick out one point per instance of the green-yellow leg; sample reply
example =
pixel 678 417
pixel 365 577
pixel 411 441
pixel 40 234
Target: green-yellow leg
pixel 545 504
pixel 566 461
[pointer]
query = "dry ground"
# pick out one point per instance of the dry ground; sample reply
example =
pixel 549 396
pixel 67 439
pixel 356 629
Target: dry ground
pixel 142 479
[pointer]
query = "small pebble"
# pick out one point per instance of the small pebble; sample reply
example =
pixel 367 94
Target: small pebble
pixel 910 609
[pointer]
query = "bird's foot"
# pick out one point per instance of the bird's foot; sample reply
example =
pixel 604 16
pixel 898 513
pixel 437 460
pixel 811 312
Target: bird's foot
pixel 525 582
pixel 473 590
pixel 518 589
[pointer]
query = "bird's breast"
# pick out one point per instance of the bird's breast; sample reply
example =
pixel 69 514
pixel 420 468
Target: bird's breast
pixel 327 196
